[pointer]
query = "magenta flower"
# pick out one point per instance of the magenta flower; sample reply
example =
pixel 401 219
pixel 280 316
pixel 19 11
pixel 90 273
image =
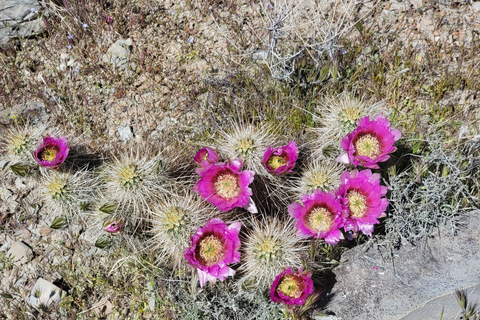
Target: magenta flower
pixel 226 187
pixel 363 198
pixel 214 247
pixel 204 158
pixel 52 152
pixel 281 159
pixel 291 288
pixel 113 226
pixel 370 143
pixel 321 216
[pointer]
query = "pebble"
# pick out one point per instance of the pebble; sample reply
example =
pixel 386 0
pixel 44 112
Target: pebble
pixel 476 6
pixel 76 230
pixel 103 308
pixel 26 234
pixel 125 132
pixel 5 247
pixel 20 252
pixel 44 231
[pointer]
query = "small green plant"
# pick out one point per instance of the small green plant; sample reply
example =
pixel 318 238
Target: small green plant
pixel 469 311
pixel 6 262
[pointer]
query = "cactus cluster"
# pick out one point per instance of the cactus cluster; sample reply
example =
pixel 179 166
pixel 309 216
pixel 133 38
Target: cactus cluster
pixel 245 211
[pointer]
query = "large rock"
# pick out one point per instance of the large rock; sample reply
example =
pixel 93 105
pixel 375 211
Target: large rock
pixel 20 18
pixel 384 283
pixel 32 109
pixel 45 293
pixel 448 304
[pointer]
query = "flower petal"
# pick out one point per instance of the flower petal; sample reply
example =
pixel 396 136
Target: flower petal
pixel 343 158
pixel 251 207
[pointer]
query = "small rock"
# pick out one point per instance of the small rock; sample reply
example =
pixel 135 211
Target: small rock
pixel 92 252
pixel 103 308
pixel 151 303
pixel 44 293
pixel 125 133
pixel 26 234
pixel 167 123
pixel 416 3
pixel 44 231
pixel 150 286
pixel 48 248
pixel 3 164
pixel 118 55
pixel 5 247
pixel 260 55
pixel 76 230
pixel 5 279
pixel 60 260
pixel 20 282
pixel 476 6
pixel 20 252
pixel 173 105
pixel 58 236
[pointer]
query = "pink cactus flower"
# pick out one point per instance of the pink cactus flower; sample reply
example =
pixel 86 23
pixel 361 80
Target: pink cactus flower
pixel 226 187
pixel 214 247
pixel 291 288
pixel 321 216
pixel 204 158
pixel 52 152
pixel 363 198
pixel 370 143
pixel 280 160
pixel 113 226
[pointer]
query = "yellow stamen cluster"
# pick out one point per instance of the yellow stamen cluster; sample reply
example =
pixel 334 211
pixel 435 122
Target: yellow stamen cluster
pixel 350 114
pixel 211 250
pixel 289 286
pixel 320 219
pixel 276 162
pixel 367 146
pixel 48 154
pixel 245 147
pixel 174 219
pixel 226 186
pixel 17 143
pixel 57 187
pixel 357 204
pixel 267 249
pixel 319 180
pixel 128 175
